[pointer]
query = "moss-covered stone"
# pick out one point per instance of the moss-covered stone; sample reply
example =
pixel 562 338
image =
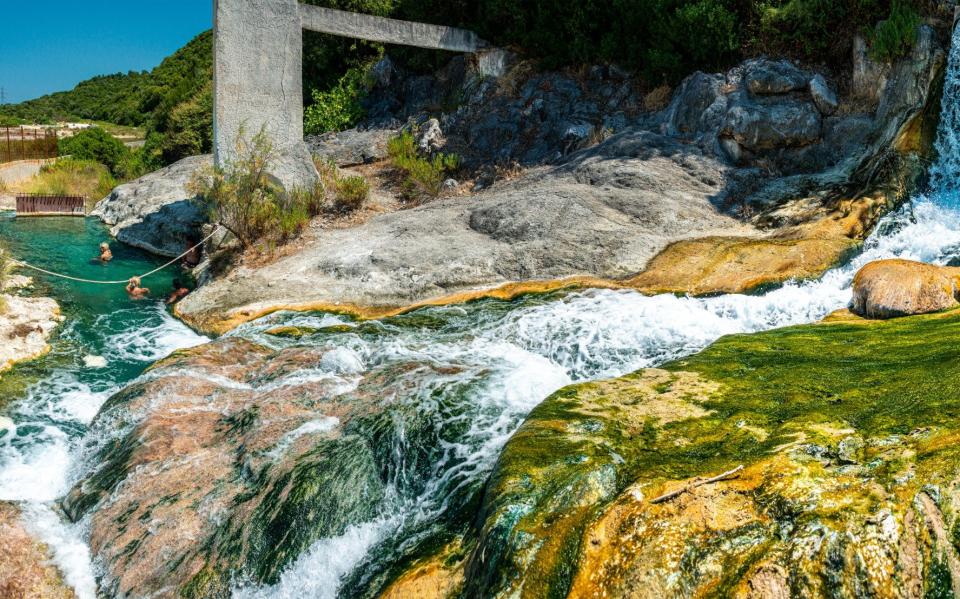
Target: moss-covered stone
pixel 850 486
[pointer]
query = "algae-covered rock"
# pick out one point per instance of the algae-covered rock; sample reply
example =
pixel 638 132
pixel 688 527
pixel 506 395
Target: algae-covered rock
pixel 227 461
pixel 894 288
pixel 25 566
pixel 804 462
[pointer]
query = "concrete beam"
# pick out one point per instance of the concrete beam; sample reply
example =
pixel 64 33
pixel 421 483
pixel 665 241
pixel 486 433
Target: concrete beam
pixel 258 83
pixel 389 31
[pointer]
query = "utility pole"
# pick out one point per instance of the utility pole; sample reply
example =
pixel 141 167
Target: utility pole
pixel 3 96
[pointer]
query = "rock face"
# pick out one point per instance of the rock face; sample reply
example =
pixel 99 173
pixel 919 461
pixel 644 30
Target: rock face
pixel 25 325
pixel 25 569
pixel 893 288
pixel 602 213
pixel 156 212
pixel 735 473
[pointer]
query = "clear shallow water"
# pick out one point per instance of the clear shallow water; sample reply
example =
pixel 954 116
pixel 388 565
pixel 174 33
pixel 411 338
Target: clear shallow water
pixel 37 464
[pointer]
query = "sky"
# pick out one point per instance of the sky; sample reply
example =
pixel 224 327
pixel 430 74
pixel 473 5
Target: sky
pixel 51 45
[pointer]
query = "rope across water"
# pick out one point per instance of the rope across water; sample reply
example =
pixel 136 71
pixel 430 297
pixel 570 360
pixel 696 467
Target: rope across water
pixel 125 281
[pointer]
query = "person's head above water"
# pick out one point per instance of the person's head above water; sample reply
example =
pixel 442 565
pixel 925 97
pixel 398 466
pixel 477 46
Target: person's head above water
pixel 177 284
pixel 104 246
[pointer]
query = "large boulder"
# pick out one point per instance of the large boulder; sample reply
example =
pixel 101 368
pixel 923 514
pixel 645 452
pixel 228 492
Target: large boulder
pixel 770 125
pixel 893 288
pixel 768 77
pixel 156 212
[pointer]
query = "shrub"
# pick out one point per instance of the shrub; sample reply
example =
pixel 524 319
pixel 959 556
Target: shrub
pixel 98 145
pixel 352 193
pixel 422 177
pixel 243 198
pixel 894 36
pixel 72 176
pixel 338 108
pixel 349 193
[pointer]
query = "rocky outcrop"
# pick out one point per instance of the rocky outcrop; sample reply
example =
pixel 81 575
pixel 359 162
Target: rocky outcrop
pixel 25 568
pixel 735 473
pixel 894 288
pixel 156 212
pixel 602 213
pixel 26 324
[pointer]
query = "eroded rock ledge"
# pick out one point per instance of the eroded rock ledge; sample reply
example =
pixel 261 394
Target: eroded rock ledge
pixel 849 483
pixel 747 178
pixel 26 324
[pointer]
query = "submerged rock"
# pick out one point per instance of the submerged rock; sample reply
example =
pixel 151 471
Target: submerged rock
pixel 894 288
pixel 156 212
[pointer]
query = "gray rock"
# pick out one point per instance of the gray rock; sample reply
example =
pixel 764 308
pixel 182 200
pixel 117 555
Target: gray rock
pixel 156 212
pixel 869 77
pixel 766 77
pixel 692 101
pixel 732 149
pixel 353 146
pixel 430 139
pixel 824 97
pixel 604 211
pixel 765 126
pixel 383 72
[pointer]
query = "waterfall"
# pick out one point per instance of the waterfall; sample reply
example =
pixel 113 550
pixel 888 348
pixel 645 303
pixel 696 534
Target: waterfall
pixel 945 173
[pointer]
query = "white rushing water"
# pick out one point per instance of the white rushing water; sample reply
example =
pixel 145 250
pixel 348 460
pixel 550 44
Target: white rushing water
pixel 38 453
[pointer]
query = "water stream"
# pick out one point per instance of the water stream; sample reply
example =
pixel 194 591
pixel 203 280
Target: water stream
pixel 507 357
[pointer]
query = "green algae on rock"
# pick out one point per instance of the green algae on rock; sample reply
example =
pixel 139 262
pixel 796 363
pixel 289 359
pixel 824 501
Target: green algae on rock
pixel 849 487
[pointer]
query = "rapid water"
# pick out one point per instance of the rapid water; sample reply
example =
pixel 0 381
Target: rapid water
pixel 58 395
pixel 486 365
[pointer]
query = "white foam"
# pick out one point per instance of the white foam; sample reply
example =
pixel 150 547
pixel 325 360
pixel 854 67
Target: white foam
pixel 156 338
pixel 318 572
pixel 314 427
pixel 66 543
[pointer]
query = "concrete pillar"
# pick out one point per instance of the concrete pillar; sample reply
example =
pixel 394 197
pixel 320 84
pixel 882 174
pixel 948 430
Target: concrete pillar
pixel 258 83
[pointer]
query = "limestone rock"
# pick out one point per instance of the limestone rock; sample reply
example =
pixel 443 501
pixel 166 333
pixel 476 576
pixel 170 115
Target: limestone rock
pixel 25 566
pixel 869 76
pixel 767 126
pixel 894 288
pixel 823 96
pixel 430 138
pixel 156 212
pixel 26 324
pixel 602 212
pixel 353 146
pixel 767 77
pixel 693 104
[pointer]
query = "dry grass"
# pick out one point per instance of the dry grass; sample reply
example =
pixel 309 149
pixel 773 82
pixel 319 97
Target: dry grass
pixel 86 178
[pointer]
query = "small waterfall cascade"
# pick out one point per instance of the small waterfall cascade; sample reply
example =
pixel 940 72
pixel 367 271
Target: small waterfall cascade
pixel 945 173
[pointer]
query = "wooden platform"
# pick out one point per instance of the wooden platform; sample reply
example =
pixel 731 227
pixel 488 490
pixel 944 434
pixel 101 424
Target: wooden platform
pixel 49 205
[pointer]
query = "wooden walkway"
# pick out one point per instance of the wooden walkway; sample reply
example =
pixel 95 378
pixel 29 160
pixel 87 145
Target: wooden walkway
pixel 50 205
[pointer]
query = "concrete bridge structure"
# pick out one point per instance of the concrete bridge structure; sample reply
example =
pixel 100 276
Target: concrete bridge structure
pixel 258 71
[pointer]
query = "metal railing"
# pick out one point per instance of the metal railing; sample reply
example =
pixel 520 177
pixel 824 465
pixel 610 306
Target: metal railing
pixel 27 143
pixel 50 205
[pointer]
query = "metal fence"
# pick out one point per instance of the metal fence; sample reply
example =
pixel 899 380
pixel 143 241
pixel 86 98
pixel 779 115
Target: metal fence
pixel 27 143
pixel 40 205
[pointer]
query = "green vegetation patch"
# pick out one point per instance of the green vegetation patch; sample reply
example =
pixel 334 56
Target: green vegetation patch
pixel 841 392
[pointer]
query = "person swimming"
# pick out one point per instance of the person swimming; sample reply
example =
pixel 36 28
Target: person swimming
pixel 105 254
pixel 135 291
pixel 179 292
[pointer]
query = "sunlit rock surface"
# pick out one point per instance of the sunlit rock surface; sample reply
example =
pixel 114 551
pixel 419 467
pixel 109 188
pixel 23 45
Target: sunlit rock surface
pixel 25 564
pixel 892 288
